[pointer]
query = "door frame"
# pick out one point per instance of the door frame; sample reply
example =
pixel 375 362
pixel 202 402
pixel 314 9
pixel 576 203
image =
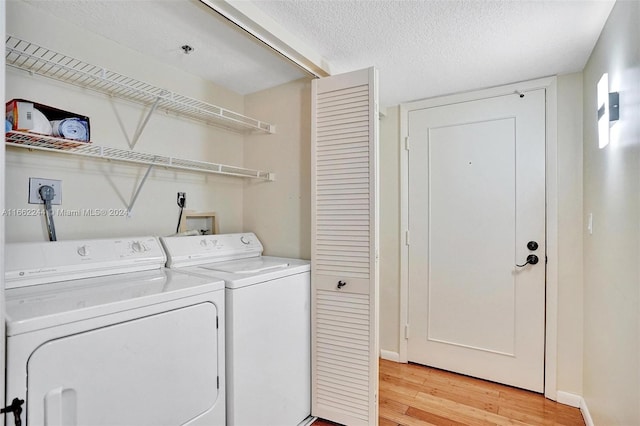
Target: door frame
pixel 551 197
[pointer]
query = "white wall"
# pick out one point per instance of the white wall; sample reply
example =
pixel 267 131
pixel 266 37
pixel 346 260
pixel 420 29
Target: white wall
pixel 612 252
pixel 569 355
pixel 280 212
pixel 91 184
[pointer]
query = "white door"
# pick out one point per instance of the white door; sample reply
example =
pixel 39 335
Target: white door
pixel 476 201
pixel 344 264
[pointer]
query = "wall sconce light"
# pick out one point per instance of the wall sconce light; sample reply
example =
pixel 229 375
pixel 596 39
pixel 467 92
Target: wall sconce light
pixel 608 110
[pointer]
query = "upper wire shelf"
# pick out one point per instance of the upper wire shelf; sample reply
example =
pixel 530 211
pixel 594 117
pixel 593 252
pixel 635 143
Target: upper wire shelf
pixel 67 146
pixel 39 60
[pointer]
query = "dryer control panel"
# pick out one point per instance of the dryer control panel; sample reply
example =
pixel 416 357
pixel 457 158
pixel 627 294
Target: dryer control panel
pixel 46 262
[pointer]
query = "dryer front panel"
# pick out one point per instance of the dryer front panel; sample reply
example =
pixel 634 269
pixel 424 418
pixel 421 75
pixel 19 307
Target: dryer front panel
pixel 127 374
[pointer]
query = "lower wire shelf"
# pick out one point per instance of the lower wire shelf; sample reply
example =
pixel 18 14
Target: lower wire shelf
pixel 71 147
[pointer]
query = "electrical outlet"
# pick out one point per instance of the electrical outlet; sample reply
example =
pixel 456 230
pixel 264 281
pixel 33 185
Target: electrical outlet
pixel 34 188
pixel 182 199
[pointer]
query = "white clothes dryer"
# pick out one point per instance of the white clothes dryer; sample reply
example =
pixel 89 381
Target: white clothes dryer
pixel 100 333
pixel 268 320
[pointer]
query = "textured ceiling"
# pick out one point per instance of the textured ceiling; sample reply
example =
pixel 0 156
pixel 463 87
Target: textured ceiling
pixel 434 47
pixel 421 48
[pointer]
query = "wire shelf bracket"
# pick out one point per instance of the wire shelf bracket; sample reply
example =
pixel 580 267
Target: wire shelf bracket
pixel 142 126
pixel 135 195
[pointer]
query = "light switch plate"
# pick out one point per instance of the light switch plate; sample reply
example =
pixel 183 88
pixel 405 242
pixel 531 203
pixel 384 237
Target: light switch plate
pixel 34 187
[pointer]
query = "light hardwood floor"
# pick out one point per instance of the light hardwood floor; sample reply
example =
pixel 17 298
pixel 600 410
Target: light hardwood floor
pixel 417 395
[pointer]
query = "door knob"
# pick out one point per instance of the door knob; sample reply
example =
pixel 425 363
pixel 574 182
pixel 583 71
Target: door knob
pixel 532 259
pixel 532 245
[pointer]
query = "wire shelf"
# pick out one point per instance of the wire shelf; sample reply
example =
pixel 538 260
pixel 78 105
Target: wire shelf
pixel 67 146
pixel 35 59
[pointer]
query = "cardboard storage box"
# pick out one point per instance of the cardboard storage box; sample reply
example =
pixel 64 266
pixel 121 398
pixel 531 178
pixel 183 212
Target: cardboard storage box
pixel 27 116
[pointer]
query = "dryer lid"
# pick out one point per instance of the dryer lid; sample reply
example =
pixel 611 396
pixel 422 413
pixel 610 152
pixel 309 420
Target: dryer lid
pixel 41 306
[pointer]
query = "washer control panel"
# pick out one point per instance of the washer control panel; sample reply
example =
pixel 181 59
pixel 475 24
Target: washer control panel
pixel 200 249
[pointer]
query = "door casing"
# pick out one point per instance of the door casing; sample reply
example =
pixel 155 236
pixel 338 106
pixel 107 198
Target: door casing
pixel 551 167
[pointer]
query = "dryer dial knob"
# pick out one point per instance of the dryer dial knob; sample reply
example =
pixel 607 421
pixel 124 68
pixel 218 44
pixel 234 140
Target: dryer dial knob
pixel 137 247
pixel 245 241
pixel 203 242
pixel 83 251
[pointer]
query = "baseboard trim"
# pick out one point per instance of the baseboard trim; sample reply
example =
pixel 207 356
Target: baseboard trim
pixel 570 399
pixel 577 401
pixel 585 413
pixel 389 355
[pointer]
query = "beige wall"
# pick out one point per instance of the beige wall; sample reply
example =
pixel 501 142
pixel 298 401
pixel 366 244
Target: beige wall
pixel 91 184
pixel 390 229
pixel 612 252
pixel 280 212
pixel 390 232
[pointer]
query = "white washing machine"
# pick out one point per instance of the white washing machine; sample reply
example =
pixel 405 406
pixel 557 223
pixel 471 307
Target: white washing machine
pixel 100 333
pixel 268 326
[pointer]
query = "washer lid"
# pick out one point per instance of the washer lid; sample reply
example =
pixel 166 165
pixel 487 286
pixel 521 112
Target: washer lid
pixel 47 305
pixel 249 266
pixel 246 272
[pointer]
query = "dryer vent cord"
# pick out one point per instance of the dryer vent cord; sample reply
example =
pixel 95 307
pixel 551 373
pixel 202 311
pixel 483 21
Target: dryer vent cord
pixel 179 220
pixel 182 201
pixel 47 193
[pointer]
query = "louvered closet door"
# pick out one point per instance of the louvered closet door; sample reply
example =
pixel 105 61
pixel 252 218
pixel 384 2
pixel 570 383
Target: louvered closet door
pixel 344 248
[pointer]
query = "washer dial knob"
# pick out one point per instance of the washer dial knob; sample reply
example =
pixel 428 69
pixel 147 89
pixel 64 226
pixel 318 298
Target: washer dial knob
pixel 83 251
